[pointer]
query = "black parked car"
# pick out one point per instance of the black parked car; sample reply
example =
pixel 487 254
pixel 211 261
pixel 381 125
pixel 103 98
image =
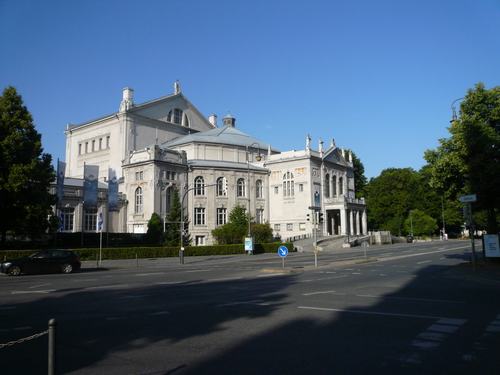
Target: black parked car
pixel 65 261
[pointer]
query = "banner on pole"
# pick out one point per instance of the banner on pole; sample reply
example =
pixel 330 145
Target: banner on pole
pixel 112 190
pixel 90 175
pixel 61 172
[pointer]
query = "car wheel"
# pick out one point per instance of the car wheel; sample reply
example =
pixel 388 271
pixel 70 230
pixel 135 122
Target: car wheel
pixel 66 268
pixel 14 270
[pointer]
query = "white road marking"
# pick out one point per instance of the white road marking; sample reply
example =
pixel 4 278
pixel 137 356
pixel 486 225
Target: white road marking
pixel 242 303
pixel 152 273
pixel 425 261
pixel 38 286
pixel 370 312
pixel 411 299
pixel 8 307
pixel 33 291
pixel 442 328
pixel 106 286
pixel 325 292
pixel 226 278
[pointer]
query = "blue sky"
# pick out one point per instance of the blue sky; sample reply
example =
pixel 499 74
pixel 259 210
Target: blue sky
pixel 379 77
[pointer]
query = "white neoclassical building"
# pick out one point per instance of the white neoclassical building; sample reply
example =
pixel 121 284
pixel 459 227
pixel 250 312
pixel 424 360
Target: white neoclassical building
pixel 167 142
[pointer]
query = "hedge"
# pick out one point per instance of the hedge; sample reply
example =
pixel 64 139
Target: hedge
pixel 157 252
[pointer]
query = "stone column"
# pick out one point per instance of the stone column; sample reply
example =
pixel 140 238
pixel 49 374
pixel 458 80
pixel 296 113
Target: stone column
pixel 351 222
pixel 343 221
pixel 365 223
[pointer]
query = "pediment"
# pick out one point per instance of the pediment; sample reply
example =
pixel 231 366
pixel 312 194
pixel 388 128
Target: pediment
pixel 334 155
pixel 163 110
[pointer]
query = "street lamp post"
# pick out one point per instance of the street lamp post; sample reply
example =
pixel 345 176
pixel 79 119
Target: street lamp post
pixel 453 108
pixel 249 245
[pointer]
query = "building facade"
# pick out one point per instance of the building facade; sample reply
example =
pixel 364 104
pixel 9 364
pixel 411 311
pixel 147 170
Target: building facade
pixel 167 142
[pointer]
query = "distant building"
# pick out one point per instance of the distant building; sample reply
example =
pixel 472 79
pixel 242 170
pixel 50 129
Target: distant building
pixel 167 142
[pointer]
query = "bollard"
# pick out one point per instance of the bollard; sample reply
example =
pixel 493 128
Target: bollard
pixel 52 346
pixel 181 255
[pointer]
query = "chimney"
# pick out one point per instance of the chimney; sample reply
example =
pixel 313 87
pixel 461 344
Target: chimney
pixel 128 99
pixel 213 120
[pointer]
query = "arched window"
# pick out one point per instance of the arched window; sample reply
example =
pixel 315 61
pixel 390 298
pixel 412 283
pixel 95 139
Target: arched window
pixel 199 186
pixel 138 200
pixel 221 186
pixel 341 186
pixel 175 116
pixel 327 186
pixel 241 187
pixel 334 186
pixel 288 185
pixel 258 189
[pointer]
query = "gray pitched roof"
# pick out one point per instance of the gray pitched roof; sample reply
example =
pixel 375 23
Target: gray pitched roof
pixel 225 135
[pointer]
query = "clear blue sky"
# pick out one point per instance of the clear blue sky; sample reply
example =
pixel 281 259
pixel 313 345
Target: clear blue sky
pixel 377 76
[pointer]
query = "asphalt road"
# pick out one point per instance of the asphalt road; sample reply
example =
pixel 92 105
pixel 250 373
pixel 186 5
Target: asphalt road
pixel 405 313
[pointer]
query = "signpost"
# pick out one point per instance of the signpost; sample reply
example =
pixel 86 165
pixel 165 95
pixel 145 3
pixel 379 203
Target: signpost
pixel 283 252
pixel 467 198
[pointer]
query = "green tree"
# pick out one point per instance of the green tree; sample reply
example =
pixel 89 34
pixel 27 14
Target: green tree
pixel 262 233
pixel 234 231
pixel 360 180
pixel 25 171
pixel 391 196
pixel 155 228
pixel 173 226
pixel 468 161
pixel 421 223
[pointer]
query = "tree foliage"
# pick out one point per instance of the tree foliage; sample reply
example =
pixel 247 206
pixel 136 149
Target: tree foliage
pixel 173 227
pixel 360 180
pixel 234 231
pixel 155 228
pixel 468 161
pixel 391 196
pixel 25 171
pixel 420 224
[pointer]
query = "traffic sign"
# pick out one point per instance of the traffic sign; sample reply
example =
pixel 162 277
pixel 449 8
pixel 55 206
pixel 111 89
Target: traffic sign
pixel 283 251
pixel 467 198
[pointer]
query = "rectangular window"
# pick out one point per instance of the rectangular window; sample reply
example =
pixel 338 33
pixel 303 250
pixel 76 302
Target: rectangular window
pixel 276 190
pixel 93 145
pixel 259 216
pixel 68 216
pixel 221 216
pixel 302 226
pixel 90 220
pixel 199 216
pixel 277 227
pixel 107 141
pixel 289 226
pixel 100 143
pixel 86 147
pixel 301 187
pixel 80 149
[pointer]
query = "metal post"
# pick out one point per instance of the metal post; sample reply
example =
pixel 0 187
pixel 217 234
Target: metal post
pixel 52 346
